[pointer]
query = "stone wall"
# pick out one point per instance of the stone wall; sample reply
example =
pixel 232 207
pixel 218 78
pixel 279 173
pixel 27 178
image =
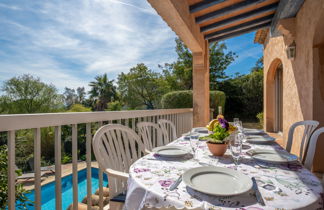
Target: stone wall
pixel 303 77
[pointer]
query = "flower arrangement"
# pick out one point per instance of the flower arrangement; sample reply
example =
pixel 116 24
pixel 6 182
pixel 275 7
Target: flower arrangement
pixel 221 131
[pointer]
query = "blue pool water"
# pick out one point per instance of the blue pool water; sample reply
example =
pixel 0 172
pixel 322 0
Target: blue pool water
pixel 48 190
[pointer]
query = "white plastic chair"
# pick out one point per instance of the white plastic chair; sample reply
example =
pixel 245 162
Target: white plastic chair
pixel 312 148
pixel 310 126
pixel 151 135
pixel 116 147
pixel 169 130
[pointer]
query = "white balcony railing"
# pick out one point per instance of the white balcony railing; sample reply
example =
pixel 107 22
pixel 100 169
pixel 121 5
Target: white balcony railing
pixel 182 118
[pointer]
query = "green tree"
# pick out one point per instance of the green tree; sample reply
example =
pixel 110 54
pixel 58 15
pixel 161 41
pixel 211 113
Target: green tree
pixel 79 108
pixel 179 74
pixel 244 93
pixel 258 65
pixel 141 87
pixel 102 92
pixel 72 96
pixel 22 202
pixel 27 94
pixel 114 106
pixel 81 95
pixel 218 63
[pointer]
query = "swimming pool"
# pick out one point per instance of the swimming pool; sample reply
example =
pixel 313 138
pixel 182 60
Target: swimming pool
pixel 48 190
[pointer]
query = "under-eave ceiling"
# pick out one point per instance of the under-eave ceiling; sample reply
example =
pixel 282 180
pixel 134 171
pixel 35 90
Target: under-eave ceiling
pixel 222 19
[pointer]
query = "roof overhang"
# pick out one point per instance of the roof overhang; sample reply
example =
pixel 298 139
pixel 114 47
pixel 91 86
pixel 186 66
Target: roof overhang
pixel 214 20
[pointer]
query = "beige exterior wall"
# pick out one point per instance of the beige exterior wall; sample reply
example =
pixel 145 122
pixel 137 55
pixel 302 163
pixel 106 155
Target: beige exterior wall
pixel 303 77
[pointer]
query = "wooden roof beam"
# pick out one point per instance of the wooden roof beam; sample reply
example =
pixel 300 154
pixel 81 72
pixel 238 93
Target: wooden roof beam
pixel 237 33
pixel 251 14
pixel 204 5
pixel 227 10
pixel 176 14
pixel 252 23
pixel 286 9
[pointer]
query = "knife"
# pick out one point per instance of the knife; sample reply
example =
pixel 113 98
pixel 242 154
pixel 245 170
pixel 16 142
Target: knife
pixel 257 192
pixel 176 184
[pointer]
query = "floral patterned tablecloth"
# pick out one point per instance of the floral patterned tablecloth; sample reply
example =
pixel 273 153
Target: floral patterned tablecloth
pixel 286 186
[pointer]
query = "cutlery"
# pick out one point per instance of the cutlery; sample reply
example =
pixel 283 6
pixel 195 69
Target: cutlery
pixel 261 165
pixel 205 164
pixel 176 184
pixel 257 192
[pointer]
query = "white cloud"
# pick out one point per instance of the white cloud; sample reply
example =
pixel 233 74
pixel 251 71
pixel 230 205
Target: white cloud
pixel 9 7
pixel 248 52
pixel 69 42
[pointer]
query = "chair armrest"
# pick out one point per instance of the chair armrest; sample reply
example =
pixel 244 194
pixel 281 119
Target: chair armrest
pixel 117 174
pixel 146 152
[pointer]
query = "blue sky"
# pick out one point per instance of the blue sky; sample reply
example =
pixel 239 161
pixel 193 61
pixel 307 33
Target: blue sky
pixel 68 43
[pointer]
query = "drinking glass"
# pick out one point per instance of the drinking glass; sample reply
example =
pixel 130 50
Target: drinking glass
pixel 242 137
pixel 236 149
pixel 239 126
pixel 235 120
pixel 194 143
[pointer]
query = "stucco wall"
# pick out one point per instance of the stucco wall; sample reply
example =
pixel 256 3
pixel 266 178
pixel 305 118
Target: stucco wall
pixel 300 102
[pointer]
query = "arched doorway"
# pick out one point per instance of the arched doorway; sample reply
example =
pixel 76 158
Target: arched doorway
pixel 274 97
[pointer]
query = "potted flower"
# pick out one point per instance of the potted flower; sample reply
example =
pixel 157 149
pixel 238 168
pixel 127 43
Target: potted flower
pixel 217 141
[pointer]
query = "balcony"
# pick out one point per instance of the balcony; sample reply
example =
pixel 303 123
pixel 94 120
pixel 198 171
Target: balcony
pixel 291 33
pixel 11 124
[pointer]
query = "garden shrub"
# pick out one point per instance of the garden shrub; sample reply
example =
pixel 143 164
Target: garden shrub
pixel 260 118
pixel 183 99
pixel 22 202
pixel 217 98
pixel 66 159
pixel 177 99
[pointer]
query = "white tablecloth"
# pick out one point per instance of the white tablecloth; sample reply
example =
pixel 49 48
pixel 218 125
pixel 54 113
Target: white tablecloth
pixel 282 186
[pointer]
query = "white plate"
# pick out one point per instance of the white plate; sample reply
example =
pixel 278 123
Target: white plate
pixel 186 136
pixel 272 156
pixel 252 131
pixel 200 130
pixel 217 181
pixel 257 139
pixel 171 151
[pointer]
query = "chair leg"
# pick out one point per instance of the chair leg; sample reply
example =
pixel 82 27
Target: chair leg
pixel 113 205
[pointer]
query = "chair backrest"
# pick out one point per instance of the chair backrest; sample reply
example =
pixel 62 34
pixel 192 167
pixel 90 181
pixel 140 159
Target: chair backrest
pixel 312 148
pixel 116 147
pixel 151 135
pixel 310 126
pixel 169 130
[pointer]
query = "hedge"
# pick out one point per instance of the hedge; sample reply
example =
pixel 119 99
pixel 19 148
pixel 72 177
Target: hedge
pixel 183 99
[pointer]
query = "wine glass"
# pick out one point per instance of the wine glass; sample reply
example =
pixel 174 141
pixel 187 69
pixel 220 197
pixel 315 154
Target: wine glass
pixel 194 143
pixel 242 137
pixel 236 149
pixel 239 126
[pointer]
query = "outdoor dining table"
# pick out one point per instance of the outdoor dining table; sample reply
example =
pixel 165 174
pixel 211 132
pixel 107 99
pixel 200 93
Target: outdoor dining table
pixel 283 186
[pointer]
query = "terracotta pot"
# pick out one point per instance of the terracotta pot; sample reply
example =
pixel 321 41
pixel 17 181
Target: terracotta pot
pixel 217 149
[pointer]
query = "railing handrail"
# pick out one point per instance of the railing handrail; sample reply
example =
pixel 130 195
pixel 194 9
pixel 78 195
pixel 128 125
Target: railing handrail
pixel 182 118
pixel 11 122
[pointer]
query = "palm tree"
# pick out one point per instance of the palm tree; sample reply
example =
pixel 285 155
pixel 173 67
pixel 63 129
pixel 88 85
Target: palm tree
pixel 102 91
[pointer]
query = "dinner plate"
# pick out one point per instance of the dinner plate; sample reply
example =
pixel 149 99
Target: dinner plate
pixel 200 130
pixel 171 151
pixel 217 181
pixel 272 156
pixel 257 139
pixel 186 136
pixel 252 131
